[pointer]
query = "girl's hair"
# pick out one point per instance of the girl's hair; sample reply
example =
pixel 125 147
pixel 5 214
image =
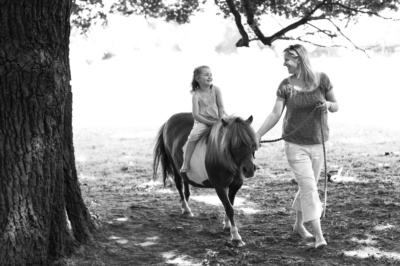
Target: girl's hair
pixel 298 51
pixel 196 72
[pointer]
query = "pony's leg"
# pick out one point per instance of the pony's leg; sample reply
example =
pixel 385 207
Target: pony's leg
pixel 227 223
pixel 233 189
pixel 184 204
pixel 187 191
pixel 231 195
pixel 223 196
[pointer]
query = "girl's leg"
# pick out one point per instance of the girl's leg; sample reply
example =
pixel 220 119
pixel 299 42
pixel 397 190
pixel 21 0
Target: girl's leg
pixel 188 155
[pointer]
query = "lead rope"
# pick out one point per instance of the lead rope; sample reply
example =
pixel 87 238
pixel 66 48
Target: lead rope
pixel 294 131
pixel 323 147
pixel 325 169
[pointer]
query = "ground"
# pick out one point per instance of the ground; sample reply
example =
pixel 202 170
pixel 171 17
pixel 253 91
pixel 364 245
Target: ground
pixel 140 222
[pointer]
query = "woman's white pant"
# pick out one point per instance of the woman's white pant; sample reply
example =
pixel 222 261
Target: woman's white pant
pixel 306 162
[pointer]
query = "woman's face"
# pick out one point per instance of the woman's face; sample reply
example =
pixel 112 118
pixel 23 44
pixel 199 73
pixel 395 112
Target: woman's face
pixel 205 77
pixel 292 63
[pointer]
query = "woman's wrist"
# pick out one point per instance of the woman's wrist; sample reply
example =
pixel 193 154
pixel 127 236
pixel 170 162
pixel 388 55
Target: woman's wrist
pixel 331 107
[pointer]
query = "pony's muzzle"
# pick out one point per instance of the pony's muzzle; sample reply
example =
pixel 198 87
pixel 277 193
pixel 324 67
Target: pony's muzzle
pixel 248 171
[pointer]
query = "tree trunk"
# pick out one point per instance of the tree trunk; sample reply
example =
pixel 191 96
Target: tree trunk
pixel 39 189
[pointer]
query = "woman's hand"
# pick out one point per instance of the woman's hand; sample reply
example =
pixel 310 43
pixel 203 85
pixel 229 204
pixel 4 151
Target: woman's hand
pixel 325 106
pixel 259 140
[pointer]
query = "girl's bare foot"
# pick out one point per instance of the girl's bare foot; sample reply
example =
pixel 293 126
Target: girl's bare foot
pixel 184 169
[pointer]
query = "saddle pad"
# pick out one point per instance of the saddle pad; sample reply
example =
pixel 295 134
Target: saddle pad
pixel 197 172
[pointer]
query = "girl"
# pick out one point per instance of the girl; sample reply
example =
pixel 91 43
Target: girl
pixel 207 108
pixel 300 93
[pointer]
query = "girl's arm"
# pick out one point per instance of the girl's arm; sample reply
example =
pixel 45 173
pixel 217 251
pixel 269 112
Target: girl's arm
pixel 195 112
pixel 273 117
pixel 220 103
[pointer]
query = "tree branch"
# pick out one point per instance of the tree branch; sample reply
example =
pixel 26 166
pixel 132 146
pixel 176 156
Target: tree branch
pixel 347 38
pixel 356 10
pixel 296 24
pixel 238 20
pixel 252 23
pixel 269 40
pixel 326 32
pixel 306 41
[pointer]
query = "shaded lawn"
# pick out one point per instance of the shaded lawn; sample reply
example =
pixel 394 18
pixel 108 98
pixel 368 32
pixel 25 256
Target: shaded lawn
pixel 140 222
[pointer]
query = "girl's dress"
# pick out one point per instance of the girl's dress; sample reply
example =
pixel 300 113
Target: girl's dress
pixel 208 109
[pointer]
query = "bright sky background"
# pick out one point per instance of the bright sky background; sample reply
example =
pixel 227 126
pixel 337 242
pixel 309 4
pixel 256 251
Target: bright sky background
pixel 147 79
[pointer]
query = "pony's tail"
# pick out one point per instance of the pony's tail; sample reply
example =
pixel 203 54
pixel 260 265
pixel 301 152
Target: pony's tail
pixel 160 155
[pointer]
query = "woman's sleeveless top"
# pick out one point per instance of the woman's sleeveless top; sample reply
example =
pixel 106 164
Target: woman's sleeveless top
pixel 208 105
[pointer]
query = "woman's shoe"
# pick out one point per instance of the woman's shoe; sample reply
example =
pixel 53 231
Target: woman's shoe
pixel 304 234
pixel 320 245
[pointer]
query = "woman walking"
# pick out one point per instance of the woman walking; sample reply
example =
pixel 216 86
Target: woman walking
pixel 301 92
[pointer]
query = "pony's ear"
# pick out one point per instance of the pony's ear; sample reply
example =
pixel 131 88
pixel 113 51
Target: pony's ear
pixel 224 123
pixel 250 119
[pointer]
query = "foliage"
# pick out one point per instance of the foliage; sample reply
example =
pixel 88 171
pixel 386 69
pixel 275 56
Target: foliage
pixel 300 13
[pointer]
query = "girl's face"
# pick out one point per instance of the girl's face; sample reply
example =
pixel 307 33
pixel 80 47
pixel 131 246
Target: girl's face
pixel 205 77
pixel 292 63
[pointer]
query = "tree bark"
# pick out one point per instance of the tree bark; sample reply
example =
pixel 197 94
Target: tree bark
pixel 39 189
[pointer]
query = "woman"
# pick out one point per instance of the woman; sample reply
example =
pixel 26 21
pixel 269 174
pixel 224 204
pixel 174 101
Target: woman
pixel 300 93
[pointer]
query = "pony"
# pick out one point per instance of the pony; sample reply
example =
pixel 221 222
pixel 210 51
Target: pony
pixel 222 158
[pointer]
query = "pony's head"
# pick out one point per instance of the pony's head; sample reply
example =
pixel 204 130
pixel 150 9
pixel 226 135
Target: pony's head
pixel 232 143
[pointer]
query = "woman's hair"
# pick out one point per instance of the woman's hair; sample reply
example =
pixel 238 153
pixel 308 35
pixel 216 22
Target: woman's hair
pixel 298 51
pixel 196 72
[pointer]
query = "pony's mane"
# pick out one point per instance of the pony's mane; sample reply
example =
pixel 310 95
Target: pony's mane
pixel 237 133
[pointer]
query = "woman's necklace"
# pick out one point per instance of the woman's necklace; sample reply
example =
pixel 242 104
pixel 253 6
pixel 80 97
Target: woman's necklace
pixel 294 79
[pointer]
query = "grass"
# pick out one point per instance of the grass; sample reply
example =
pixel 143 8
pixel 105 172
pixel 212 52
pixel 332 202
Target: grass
pixel 140 221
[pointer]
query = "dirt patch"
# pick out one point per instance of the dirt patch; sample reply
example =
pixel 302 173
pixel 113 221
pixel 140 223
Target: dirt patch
pixel 140 222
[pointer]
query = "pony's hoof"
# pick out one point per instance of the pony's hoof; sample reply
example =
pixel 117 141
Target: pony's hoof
pixel 238 243
pixel 187 214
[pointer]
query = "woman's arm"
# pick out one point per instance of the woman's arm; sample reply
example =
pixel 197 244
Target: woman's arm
pixel 332 104
pixel 196 114
pixel 220 103
pixel 273 117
